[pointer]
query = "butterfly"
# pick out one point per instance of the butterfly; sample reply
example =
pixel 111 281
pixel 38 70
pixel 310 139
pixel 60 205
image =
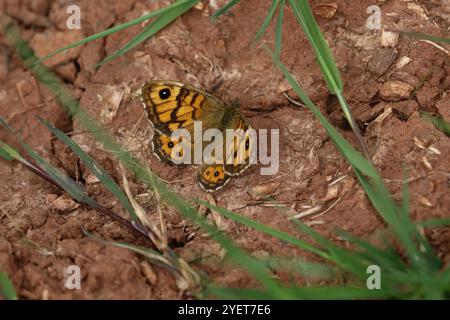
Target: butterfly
pixel 172 105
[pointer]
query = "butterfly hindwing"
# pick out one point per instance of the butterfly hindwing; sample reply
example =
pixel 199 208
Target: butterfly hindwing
pixel 163 145
pixel 212 177
pixel 242 146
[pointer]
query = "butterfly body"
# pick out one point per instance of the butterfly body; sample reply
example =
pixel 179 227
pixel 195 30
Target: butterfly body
pixel 172 105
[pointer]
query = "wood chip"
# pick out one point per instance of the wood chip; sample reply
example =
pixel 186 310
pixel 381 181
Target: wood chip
pixel 419 143
pixel 434 150
pixel 427 163
pixel 403 61
pixel 389 39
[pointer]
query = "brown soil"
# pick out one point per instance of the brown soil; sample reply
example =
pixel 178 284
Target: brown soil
pixel 386 101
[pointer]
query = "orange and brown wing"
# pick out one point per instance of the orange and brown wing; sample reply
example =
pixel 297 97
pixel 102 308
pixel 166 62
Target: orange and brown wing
pixel 243 145
pixel 171 105
pixel 212 177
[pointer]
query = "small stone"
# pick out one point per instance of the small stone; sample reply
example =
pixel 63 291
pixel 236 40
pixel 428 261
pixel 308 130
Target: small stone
pixel 65 203
pixel 405 77
pixel 50 41
pixel 67 71
pixel 91 178
pixel 332 193
pixel 396 90
pixel 38 216
pixel 326 10
pixel 261 191
pixel 425 202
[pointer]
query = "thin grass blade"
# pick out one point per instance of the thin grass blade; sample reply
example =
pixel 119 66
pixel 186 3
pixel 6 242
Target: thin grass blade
pixel 73 188
pixel 267 20
pixel 115 29
pixel 265 229
pixel 9 154
pixel 304 15
pixel 279 30
pixel 155 26
pixel 96 169
pixel 302 293
pixel 224 9
pixel 425 36
pixel 432 223
pixel 437 121
pixel 354 157
pixel 6 287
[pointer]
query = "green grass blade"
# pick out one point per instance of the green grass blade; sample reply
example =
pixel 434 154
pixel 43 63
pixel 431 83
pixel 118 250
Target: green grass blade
pixel 354 157
pixel 330 72
pixel 153 255
pixel 304 15
pixel 445 277
pixel 224 9
pixel 8 153
pixel 341 293
pixel 432 260
pixel 155 26
pixel 98 171
pixel 6 287
pixel 345 259
pixel 437 121
pixel 73 188
pixel 405 231
pixel 265 229
pixel 310 271
pixel 225 293
pixel 279 30
pixel 302 293
pixel 432 223
pixel 425 36
pixel 351 261
pixel 386 259
pixel 117 28
pixel 267 20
